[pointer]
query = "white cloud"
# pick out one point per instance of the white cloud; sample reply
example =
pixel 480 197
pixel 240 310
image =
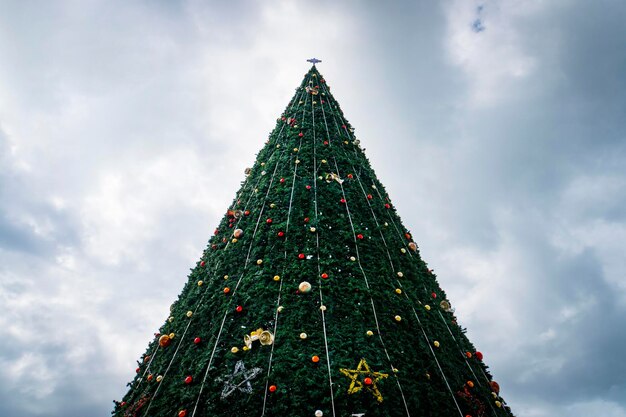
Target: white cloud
pixel 128 128
pixel 492 59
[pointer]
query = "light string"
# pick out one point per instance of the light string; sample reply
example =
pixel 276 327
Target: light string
pixel 319 271
pixel 280 287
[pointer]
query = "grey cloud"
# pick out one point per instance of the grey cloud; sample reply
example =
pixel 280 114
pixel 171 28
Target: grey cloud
pixel 501 197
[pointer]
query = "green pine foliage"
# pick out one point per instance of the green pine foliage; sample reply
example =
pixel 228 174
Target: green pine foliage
pixel 312 194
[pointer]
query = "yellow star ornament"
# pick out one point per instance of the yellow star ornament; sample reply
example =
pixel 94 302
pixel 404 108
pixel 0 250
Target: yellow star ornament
pixel 363 376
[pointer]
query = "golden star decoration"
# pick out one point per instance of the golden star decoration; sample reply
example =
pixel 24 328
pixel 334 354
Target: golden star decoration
pixel 357 385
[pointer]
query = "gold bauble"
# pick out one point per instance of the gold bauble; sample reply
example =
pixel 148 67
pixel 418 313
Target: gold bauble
pixel 189 313
pixel 234 349
pixel 200 283
pixel 427 307
pixel 259 261
pixel 498 404
pixel 303 336
pixel 369 333
pixel 400 274
pixel 159 378
pixel 398 291
pixel 172 335
pixel 276 277
pixel 398 318
pixel 436 344
pixel 304 287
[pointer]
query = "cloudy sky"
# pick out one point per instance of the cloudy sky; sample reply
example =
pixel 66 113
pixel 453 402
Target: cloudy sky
pixel 497 126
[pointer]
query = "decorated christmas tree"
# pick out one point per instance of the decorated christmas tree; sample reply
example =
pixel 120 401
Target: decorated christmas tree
pixel 311 298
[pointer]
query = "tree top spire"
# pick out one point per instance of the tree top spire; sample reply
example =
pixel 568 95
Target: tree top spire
pixel 314 60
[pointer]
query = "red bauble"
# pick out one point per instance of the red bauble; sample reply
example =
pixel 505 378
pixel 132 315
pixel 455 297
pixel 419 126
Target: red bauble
pixel 301 256
pixel 283 118
pixel 280 234
pixel 479 355
pixel 359 236
pixel 197 340
pixel 268 221
pixel 343 126
pixel 468 354
pixel 123 403
pixel 367 381
pixel 272 388
pixel 342 201
pixel 214 246
pixel 215 232
pixel 202 263
pixel 387 205
pixel 306 219
pixel 247 212
pixel 308 187
pixel 226 290
pixel 230 225
pixel 325 142
pixel 350 176
pixel 182 413
pixel 324 275
pixel 188 380
pixel 407 235
pixel 369 197
pixel 239 309
pixel 300 134
pixel 282 180
pixel 322 80
pixel 434 295
pixel 495 387
pixel 137 370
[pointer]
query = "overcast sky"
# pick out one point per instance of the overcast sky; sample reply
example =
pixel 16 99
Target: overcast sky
pixel 498 128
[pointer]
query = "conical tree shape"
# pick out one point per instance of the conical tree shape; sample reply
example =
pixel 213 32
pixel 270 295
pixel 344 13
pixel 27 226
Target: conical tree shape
pixel 311 298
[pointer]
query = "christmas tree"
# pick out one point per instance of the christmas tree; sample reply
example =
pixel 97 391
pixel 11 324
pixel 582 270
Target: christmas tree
pixel 311 298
